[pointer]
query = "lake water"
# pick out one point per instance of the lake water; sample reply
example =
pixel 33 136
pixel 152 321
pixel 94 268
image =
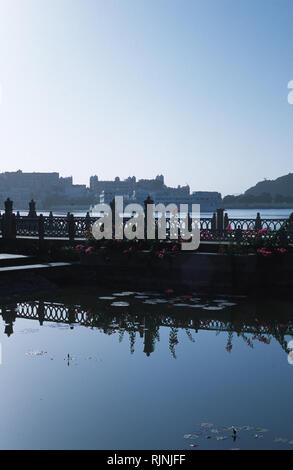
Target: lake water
pixel 92 369
pixel 233 213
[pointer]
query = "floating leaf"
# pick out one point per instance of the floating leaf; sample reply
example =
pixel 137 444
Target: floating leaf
pixel 281 439
pixel 206 425
pixel 257 436
pixel 247 428
pixel 210 307
pixel 107 298
pixel 221 438
pixel 120 304
pixel 261 430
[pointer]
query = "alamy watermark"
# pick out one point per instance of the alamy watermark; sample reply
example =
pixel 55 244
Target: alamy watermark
pixel 142 223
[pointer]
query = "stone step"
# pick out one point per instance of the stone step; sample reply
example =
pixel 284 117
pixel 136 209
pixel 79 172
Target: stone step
pixel 10 259
pixel 32 267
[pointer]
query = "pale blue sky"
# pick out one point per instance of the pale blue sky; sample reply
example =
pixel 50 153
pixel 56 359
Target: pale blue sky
pixel 193 89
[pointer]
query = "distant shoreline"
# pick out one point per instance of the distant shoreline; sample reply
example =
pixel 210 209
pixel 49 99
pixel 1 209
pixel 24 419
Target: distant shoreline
pixel 259 206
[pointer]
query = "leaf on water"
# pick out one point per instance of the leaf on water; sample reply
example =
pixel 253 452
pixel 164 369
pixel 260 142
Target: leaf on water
pixel 228 304
pixel 261 430
pixel 281 439
pixel 210 307
pixel 247 428
pixel 257 436
pixel 221 438
pixel 107 298
pixel 187 436
pixel 206 425
pixel 120 304
pixel 215 431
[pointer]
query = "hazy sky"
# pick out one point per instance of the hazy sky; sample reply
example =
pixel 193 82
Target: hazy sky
pixel 194 89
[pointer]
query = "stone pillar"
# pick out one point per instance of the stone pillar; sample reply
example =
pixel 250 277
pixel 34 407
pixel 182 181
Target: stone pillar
pixel 220 220
pixel 8 225
pixel 257 225
pixel 87 221
pixel 32 209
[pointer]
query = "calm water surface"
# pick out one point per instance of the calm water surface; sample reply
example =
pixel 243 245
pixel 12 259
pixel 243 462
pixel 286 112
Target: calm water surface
pixel 145 371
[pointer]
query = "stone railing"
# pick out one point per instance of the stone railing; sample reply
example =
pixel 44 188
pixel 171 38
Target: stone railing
pixel 217 228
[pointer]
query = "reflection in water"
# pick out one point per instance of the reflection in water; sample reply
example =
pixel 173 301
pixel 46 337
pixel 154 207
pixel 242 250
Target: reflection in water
pixel 143 319
pixel 100 371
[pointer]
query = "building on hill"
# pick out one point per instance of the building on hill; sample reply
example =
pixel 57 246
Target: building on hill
pixel 134 191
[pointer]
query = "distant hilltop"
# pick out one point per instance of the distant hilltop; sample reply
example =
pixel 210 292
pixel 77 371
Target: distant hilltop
pixel 276 193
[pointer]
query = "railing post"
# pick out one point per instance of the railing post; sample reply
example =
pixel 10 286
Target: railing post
pixel 214 223
pixel 220 220
pixel 51 219
pixel 71 228
pixel 32 210
pixel 8 228
pixel 257 225
pixel 146 203
pixel 87 221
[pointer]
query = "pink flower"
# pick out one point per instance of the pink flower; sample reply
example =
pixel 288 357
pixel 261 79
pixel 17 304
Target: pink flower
pixel 160 255
pixel 169 291
pixel 264 252
pixel 282 250
pixel 188 297
pixel 89 249
pixel 229 228
pixel 262 231
pixel 79 247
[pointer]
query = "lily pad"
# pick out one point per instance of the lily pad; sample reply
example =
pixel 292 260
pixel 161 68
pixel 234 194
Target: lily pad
pixel 281 439
pixel 210 307
pixel 120 304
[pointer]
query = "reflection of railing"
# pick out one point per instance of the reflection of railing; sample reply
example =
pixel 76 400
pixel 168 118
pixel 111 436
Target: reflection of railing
pixel 217 228
pixel 146 325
